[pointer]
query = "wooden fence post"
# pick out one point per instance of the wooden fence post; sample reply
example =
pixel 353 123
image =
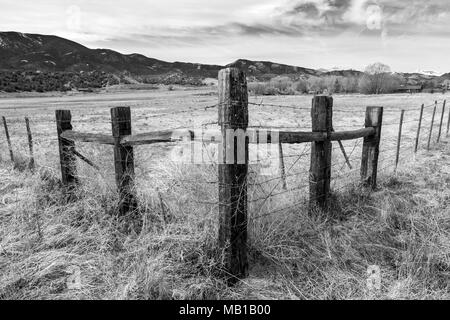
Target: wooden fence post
pixel 418 129
pixel 66 147
pixel 448 123
pixel 442 120
pixel 123 159
pixel 281 163
pixel 399 138
pixel 371 147
pixel 320 168
pixel 431 127
pixel 233 115
pixel 30 144
pixel 8 139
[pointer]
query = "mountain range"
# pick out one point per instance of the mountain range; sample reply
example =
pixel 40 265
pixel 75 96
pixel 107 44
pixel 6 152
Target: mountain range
pixel 48 53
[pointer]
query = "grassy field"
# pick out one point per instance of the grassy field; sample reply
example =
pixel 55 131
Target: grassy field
pixel 403 227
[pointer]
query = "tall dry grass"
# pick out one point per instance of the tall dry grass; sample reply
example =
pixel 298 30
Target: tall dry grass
pixel 404 228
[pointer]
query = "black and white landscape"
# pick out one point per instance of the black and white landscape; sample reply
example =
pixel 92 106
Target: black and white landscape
pixel 200 150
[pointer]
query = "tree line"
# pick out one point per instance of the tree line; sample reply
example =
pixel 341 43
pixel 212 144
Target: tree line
pixel 376 79
pixel 14 81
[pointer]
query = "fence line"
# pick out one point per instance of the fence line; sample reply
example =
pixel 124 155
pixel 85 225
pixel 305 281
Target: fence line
pixel 235 178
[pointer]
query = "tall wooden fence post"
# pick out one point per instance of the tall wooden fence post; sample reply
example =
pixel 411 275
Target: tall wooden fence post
pixel 30 144
pixel 431 127
pixel 233 117
pixel 8 139
pixel 418 129
pixel 66 147
pixel 399 138
pixel 371 147
pixel 123 159
pixel 320 168
pixel 442 120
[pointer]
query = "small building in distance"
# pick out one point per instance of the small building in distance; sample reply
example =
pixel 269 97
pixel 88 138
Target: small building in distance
pixel 410 88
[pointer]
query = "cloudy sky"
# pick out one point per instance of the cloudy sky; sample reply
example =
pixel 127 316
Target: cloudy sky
pixel 409 35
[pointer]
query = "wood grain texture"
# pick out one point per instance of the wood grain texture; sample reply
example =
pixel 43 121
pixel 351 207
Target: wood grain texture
pixel 320 167
pixel 66 156
pixel 123 159
pixel 76 136
pixel 233 114
pixel 371 147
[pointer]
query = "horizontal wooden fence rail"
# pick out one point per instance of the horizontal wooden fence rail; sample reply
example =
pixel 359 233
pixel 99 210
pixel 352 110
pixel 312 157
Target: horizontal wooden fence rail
pixel 287 137
pixel 76 136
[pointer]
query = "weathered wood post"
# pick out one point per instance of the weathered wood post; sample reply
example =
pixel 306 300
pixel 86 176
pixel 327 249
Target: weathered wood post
pixel 281 164
pixel 66 156
pixel 371 147
pixel 30 144
pixel 418 129
pixel 399 138
pixel 431 127
pixel 123 159
pixel 233 169
pixel 442 120
pixel 8 140
pixel 320 168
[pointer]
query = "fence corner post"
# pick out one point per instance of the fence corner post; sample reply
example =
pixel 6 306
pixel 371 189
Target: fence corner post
pixel 66 147
pixel 371 147
pixel 233 169
pixel 123 159
pixel 320 168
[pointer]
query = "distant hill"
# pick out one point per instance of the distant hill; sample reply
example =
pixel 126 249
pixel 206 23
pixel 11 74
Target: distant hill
pixel 19 51
pixel 46 53
pixel 38 60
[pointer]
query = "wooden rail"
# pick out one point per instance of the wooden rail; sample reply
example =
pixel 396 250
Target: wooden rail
pixel 76 136
pixel 287 137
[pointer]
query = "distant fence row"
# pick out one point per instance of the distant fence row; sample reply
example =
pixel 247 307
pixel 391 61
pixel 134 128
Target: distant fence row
pixel 233 141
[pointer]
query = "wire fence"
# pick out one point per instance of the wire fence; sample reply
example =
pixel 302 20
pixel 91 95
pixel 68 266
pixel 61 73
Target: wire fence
pixel 151 161
pixel 181 176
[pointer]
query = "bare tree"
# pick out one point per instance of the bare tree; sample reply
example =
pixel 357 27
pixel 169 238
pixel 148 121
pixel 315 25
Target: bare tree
pixel 376 77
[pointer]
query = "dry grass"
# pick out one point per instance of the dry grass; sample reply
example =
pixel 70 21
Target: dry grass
pixel 403 227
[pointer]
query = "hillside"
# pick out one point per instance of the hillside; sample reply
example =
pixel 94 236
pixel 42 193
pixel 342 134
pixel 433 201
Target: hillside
pixel 20 51
pixel 34 62
pixel 30 52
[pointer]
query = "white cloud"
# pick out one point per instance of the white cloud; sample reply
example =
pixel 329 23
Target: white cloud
pixel 311 33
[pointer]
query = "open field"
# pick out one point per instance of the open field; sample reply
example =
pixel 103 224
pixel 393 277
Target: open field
pixel 404 227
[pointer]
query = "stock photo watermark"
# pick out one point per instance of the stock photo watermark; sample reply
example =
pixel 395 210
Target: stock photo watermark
pixel 73 281
pixel 234 146
pixel 373 280
pixel 73 21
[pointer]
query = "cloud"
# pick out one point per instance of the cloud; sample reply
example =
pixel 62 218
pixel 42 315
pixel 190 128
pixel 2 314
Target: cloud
pixel 306 31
